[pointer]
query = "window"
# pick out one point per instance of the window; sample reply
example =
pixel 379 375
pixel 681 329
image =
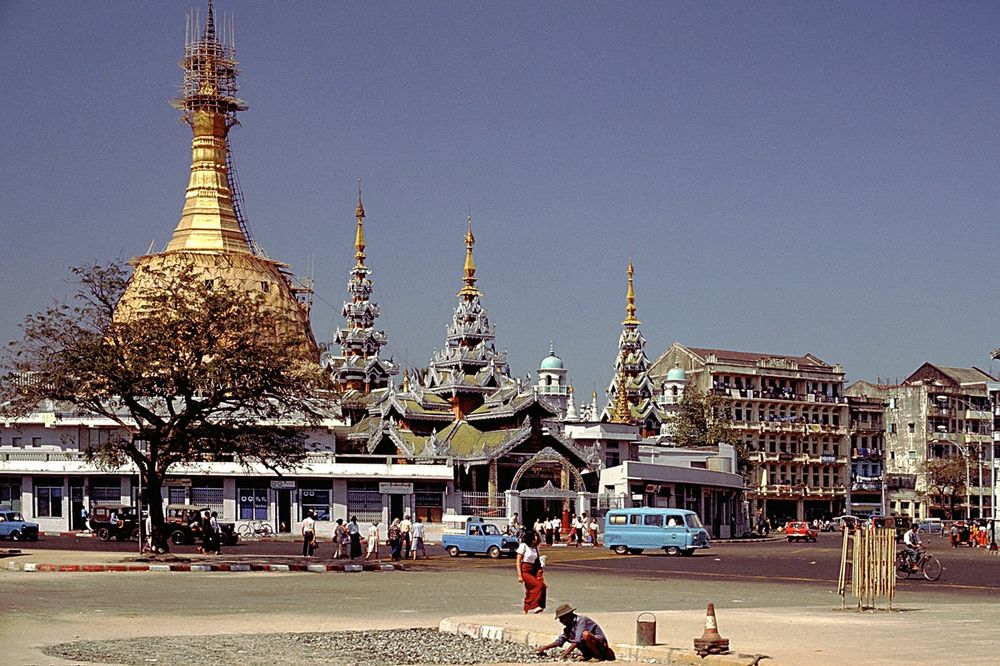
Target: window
pixel 175 495
pixel 612 458
pixel 911 427
pixel 317 501
pixel 48 498
pixel 654 520
pixel 10 494
pixel 15 441
pixel 892 428
pixel 617 519
pixel 105 492
pixel 36 441
pixel 208 496
pixel 253 503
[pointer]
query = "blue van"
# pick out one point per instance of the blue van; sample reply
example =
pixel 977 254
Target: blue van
pixel 676 531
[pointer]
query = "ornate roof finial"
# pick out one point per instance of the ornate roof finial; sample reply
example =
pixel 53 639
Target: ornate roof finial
pixel 552 348
pixel 209 35
pixel 470 288
pixel 359 237
pixel 630 298
pixel 406 381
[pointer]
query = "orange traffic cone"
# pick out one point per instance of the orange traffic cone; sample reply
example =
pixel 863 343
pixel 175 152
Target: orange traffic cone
pixel 711 642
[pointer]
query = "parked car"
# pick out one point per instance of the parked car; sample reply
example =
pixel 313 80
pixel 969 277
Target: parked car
pixel 675 531
pixel 930 526
pixel 114 521
pixel 184 525
pixel 13 526
pixel 478 537
pixel 800 531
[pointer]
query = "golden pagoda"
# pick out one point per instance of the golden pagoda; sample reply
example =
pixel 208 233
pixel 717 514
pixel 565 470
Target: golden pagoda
pixel 212 236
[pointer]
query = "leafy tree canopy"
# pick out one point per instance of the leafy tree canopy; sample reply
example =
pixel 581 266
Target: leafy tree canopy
pixel 706 420
pixel 192 370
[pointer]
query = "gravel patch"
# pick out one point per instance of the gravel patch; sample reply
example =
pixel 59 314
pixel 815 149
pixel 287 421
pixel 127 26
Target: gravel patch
pixel 343 648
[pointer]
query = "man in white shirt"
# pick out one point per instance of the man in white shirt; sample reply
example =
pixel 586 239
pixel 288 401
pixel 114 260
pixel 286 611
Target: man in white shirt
pixel 406 533
pixel 418 538
pixel 911 542
pixel 308 535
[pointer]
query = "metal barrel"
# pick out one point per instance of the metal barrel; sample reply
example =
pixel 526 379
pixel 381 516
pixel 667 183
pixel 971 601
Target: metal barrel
pixel 645 629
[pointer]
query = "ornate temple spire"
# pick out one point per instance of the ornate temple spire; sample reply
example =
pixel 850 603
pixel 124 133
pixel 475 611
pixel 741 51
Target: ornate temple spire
pixel 630 299
pixel 359 366
pixel 209 104
pixel 469 366
pixel 470 289
pixel 359 236
pixel 630 388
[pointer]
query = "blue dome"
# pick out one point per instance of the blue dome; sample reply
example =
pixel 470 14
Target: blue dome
pixel 676 375
pixel 552 362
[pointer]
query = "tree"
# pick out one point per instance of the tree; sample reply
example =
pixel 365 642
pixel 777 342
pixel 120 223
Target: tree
pixel 192 370
pixel 946 478
pixel 706 420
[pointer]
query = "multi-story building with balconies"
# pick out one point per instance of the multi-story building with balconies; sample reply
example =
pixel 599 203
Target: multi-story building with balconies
pixel 937 412
pixel 867 432
pixel 792 416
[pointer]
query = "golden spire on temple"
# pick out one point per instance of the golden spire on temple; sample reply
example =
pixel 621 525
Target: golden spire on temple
pixel 359 237
pixel 621 412
pixel 630 299
pixel 209 104
pixel 470 288
pixel 406 381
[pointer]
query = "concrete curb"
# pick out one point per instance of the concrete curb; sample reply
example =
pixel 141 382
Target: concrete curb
pixel 661 654
pixel 198 567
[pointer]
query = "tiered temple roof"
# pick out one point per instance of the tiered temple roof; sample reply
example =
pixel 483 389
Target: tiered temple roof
pixel 469 366
pixel 359 368
pixel 630 395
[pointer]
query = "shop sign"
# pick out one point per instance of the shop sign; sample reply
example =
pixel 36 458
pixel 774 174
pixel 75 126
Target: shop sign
pixel 282 484
pixel 395 488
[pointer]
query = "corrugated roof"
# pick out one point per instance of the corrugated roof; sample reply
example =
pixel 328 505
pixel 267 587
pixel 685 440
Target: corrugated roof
pixel 751 358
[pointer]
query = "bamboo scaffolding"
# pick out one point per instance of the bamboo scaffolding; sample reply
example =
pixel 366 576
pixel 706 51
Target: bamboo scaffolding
pixel 870 567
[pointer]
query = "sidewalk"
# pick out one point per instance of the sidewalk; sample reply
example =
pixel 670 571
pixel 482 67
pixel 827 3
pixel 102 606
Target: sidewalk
pixel 76 561
pixel 938 634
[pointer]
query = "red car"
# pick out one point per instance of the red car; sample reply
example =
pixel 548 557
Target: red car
pixel 799 531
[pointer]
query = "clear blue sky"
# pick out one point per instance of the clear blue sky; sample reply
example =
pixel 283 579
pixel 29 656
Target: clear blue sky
pixel 788 177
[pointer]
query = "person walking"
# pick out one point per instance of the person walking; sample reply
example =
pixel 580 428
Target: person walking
pixel 549 532
pixel 206 532
pixel 373 539
pixel 406 532
pixel 308 534
pixel 539 527
pixel 395 539
pixel 354 533
pixel 340 538
pixel 529 572
pixel 592 527
pixel 213 523
pixel 418 539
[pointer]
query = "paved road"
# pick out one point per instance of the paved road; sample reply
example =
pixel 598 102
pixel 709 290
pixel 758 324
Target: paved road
pixel 43 609
pixel 776 561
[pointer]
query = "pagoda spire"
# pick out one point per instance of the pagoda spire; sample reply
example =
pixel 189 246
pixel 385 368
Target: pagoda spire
pixel 359 236
pixel 630 299
pixel 470 289
pixel 630 387
pixel 209 104
pixel 359 365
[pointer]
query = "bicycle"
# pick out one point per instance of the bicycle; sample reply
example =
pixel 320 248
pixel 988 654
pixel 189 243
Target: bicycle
pixel 247 530
pixel 927 564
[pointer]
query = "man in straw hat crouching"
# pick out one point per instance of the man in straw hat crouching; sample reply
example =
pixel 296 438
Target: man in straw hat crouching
pixel 580 633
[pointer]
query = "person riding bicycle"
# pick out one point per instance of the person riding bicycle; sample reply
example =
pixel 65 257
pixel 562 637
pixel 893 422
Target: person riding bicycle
pixel 912 545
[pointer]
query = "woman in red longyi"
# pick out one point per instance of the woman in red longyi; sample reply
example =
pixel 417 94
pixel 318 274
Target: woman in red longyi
pixel 529 572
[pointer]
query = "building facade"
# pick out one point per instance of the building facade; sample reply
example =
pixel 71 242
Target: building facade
pixel 791 415
pixel 936 413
